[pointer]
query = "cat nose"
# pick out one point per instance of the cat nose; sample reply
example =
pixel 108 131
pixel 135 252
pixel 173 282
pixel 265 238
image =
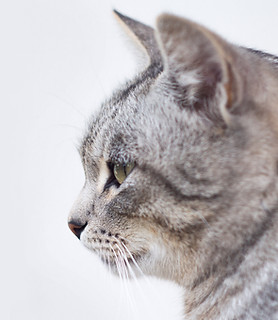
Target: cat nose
pixel 76 227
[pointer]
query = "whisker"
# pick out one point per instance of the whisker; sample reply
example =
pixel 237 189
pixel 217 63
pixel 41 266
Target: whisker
pixel 123 264
pixel 144 277
pixel 133 274
pixel 126 261
pixel 121 280
pixel 133 260
pixel 117 262
pixel 131 256
pixel 126 277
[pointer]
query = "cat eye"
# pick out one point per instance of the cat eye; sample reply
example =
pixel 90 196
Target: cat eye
pixel 121 171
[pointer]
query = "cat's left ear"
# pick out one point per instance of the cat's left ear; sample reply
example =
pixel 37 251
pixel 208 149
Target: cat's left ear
pixel 143 35
pixel 199 65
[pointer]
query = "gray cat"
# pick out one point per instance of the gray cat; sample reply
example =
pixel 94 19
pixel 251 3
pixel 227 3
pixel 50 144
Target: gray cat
pixel 181 169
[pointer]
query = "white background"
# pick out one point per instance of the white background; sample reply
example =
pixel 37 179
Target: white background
pixel 58 60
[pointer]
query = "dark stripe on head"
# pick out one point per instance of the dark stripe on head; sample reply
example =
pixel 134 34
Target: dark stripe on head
pixel 148 75
pixel 173 190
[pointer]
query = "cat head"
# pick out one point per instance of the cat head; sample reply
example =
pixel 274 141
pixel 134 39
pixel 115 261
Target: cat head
pixel 177 160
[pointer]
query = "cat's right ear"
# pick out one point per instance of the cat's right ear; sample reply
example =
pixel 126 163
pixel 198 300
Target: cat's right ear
pixel 143 36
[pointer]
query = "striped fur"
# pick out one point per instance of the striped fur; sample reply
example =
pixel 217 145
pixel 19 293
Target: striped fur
pixel 200 207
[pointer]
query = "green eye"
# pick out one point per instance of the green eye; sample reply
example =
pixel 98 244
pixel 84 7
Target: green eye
pixel 121 171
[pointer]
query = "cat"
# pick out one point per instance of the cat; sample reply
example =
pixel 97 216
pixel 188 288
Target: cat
pixel 181 168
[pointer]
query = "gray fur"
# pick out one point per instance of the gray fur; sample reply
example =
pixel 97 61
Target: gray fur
pixel 201 206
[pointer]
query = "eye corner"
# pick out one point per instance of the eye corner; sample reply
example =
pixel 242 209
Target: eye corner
pixel 111 181
pixel 110 165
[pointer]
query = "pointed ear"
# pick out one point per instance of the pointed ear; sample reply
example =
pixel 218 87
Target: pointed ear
pixel 199 64
pixel 143 35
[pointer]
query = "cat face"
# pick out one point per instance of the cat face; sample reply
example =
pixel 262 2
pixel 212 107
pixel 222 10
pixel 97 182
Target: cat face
pixel 172 156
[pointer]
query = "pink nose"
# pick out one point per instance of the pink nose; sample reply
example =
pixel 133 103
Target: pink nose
pixel 77 228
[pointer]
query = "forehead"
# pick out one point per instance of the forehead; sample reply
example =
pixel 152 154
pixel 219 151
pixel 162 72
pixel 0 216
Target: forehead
pixel 117 121
pixel 120 109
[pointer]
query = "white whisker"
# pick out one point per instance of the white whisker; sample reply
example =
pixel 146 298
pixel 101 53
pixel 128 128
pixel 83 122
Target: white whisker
pixel 146 280
pixel 131 256
pixel 119 271
pixel 126 277
pixel 133 260
pixel 127 262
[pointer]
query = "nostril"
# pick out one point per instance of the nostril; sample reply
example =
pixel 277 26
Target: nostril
pixel 77 228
